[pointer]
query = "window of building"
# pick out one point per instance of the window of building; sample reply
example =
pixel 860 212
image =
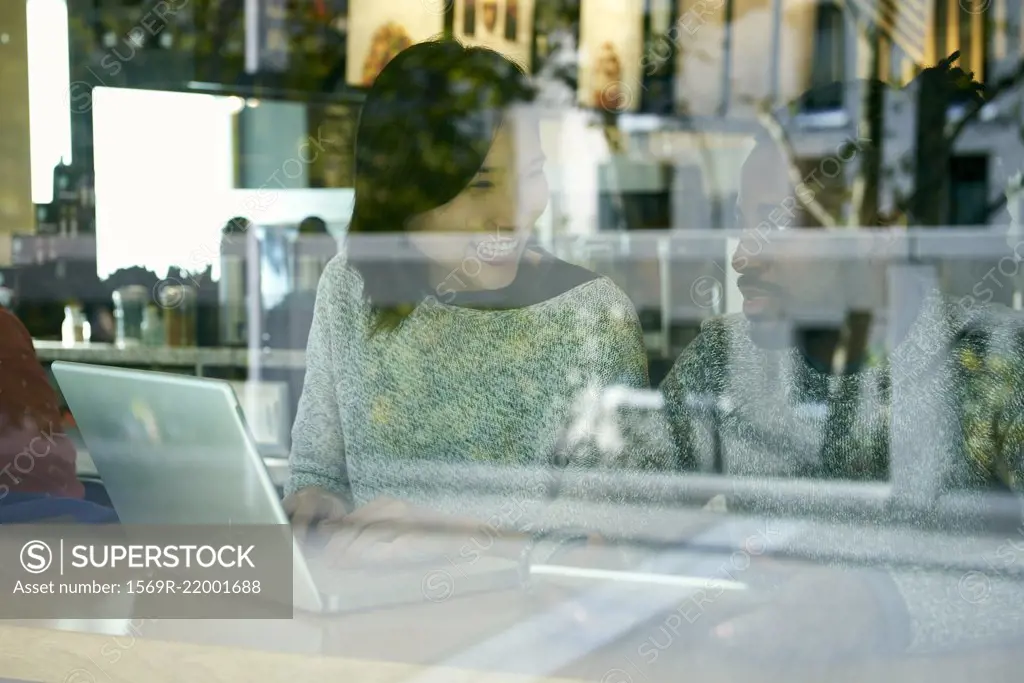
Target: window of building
pixel 829 57
pixel 968 188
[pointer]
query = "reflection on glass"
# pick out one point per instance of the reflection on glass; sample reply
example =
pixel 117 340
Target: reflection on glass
pixel 469 18
pixel 129 311
pixel 511 20
pixel 179 305
pixel 490 15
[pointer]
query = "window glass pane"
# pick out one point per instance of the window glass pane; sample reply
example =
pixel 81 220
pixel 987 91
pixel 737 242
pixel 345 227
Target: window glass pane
pixel 584 339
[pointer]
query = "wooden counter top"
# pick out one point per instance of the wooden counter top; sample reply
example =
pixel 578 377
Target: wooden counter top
pixel 560 631
pixel 63 656
pixel 500 637
pixel 50 656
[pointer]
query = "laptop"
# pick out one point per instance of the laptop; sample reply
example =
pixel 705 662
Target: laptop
pixel 176 449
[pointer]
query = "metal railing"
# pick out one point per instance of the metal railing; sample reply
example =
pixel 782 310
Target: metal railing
pixel 906 499
pixel 827 500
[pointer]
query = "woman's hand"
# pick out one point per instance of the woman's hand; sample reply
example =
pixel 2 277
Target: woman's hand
pixel 311 506
pixel 390 530
pixel 386 529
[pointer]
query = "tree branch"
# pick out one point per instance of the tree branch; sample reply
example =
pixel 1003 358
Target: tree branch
pixel 991 209
pixel 866 186
pixel 1005 83
pixel 778 133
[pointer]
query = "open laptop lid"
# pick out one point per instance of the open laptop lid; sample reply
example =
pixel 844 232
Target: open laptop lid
pixel 170 449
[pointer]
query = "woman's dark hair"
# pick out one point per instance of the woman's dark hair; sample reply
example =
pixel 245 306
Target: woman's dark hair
pixel 426 126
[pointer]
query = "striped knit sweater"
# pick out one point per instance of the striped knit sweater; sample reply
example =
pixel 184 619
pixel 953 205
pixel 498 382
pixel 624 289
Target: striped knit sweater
pixel 461 386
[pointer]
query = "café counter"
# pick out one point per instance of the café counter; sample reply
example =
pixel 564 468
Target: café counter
pixel 197 358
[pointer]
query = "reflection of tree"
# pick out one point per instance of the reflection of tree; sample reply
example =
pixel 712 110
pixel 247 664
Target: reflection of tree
pixel 218 44
pixel 937 88
pixel 315 47
pixel 217 40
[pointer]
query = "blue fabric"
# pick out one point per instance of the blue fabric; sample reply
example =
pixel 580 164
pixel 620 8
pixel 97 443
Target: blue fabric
pixel 29 508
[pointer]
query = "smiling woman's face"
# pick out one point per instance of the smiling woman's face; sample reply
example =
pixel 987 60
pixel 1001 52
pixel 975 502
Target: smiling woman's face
pixel 496 211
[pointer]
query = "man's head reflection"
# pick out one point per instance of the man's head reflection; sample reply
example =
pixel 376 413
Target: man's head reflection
pixel 437 151
pixel 785 293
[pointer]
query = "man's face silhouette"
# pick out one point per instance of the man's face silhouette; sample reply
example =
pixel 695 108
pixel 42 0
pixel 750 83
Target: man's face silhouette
pixel 783 289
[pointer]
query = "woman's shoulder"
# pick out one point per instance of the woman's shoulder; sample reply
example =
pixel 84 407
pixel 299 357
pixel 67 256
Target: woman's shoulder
pixel 560 277
pixel 592 300
pixel 340 283
pixel 340 274
pixel 339 305
pixel 584 286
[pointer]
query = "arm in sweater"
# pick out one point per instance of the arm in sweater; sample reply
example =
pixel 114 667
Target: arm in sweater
pixel 690 391
pixel 318 445
pixel 952 609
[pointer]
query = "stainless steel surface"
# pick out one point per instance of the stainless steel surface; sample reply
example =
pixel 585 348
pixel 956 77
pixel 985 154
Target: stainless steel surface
pixel 110 354
pixel 232 290
pixel 852 502
pixel 350 590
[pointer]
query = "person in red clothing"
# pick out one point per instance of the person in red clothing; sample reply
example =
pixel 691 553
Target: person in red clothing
pixel 36 456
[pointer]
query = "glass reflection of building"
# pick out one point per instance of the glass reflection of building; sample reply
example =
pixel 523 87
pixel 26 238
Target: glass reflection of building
pixel 694 71
pixel 720 57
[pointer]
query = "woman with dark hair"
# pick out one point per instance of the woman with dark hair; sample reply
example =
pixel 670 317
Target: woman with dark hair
pixel 476 350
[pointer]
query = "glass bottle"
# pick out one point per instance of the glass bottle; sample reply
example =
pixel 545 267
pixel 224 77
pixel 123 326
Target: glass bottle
pixel 75 329
pixel 129 312
pixel 152 327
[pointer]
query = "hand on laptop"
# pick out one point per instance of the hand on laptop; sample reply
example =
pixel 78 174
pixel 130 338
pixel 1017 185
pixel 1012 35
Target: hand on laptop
pixel 312 506
pixel 389 530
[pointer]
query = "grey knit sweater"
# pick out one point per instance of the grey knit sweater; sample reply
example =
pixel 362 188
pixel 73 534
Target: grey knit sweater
pixel 959 418
pixel 457 388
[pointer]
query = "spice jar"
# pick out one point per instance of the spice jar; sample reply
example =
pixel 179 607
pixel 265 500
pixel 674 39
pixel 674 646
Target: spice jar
pixel 179 304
